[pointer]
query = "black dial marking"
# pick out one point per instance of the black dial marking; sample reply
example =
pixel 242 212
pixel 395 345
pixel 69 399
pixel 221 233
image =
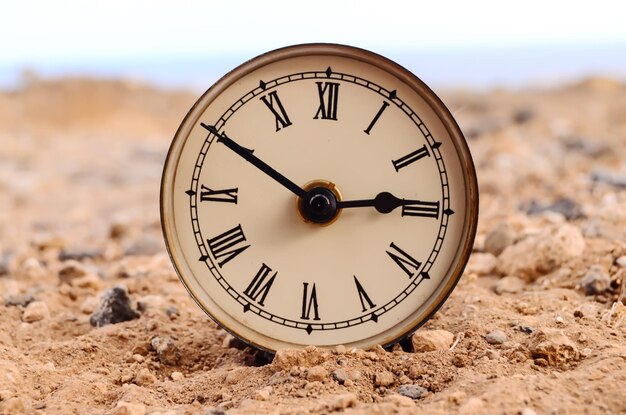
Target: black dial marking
pixel 411 158
pixel 376 117
pixel 363 297
pixel 274 104
pixel 385 94
pixel 227 245
pixel 423 209
pixel 404 260
pixel 329 95
pixel 259 286
pixel 226 195
pixel 309 302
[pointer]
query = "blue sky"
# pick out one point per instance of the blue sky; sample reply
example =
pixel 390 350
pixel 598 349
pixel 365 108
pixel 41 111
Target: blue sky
pixel 90 36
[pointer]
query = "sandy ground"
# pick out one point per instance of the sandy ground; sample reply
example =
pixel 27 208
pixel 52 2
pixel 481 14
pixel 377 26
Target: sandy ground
pixel 536 325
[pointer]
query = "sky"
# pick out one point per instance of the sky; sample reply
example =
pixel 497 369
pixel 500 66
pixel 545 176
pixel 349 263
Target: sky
pixel 126 37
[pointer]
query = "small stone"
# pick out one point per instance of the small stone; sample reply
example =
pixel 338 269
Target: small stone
pixel 114 308
pixel 316 373
pixel 71 270
pixel 343 401
pixel 166 350
pixel 596 281
pixel 145 377
pixel 412 391
pixel 89 305
pixel 128 408
pixel 21 300
pixel 559 320
pixel 586 310
pixel 78 254
pixel 177 376
pixel 89 281
pixel 35 311
pixel 498 239
pixel 528 411
pixel 569 208
pixel 262 394
pixel 523 115
pixel 553 346
pixel 285 359
pixel 496 337
pixel 621 261
pixel 482 263
pixel 526 329
pixel 340 375
pixel 138 358
pixel 431 340
pixel 509 285
pixel 147 245
pixel 172 312
pixel 5 264
pixel 384 378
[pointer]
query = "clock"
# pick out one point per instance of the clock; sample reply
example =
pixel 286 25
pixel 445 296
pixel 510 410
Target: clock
pixel 319 194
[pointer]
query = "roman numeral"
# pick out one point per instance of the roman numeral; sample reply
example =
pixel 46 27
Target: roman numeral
pixel 309 302
pixel 329 94
pixel 274 104
pixel 210 195
pixel 228 245
pixel 376 117
pixel 363 297
pixel 259 287
pixel 404 260
pixel 424 209
pixel 411 158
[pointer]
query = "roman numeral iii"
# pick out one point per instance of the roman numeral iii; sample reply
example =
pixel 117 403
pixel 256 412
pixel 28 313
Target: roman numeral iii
pixel 228 245
pixel 406 262
pixel 226 195
pixel 424 209
pixel 411 158
pixel 274 104
pixel 329 95
pixel 363 297
pixel 260 285
pixel 309 302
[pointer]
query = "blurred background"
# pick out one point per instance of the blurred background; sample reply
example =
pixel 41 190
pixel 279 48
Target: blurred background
pixel 477 44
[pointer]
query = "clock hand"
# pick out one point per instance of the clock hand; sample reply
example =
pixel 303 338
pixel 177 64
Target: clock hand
pixel 384 202
pixel 255 161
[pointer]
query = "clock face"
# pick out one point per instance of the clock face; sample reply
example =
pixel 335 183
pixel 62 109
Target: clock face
pixel 319 194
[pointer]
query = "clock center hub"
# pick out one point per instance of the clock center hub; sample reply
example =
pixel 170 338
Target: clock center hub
pixel 319 206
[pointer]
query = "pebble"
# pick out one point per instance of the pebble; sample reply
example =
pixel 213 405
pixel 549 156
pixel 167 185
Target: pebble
pixel 316 373
pixel 482 263
pixel 21 300
pixel 586 310
pixel 523 115
pixel 285 359
pixel 431 340
pixel 5 264
pixel 340 375
pixel 569 208
pixel 145 377
pixel 166 350
pixel 621 261
pixel 89 281
pixel 596 281
pixel 498 239
pixel 262 394
pixel 172 312
pixel 343 401
pixel 148 245
pixel 32 268
pixel 496 337
pixel 78 254
pixel 384 378
pixel 35 311
pixel 177 376
pixel 554 347
pixel 71 270
pixel 89 305
pixel 114 308
pixel 128 408
pixel 509 285
pixel 528 411
pixel 412 391
pixel 610 178
pixel 540 254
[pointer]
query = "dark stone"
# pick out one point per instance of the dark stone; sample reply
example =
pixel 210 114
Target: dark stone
pixel 412 391
pixel 5 261
pixel 526 329
pixel 523 115
pixel 610 178
pixel 146 246
pixel 172 312
pixel 78 255
pixel 21 300
pixel 569 208
pixel 114 308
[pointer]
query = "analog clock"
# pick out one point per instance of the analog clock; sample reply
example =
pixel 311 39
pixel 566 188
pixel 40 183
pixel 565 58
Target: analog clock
pixel 319 194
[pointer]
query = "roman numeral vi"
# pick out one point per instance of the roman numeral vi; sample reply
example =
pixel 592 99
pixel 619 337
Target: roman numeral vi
pixel 309 302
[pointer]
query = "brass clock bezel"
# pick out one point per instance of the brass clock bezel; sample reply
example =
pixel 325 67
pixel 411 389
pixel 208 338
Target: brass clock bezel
pixel 454 273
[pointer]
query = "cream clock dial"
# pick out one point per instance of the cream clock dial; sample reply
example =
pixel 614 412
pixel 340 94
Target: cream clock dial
pixel 319 194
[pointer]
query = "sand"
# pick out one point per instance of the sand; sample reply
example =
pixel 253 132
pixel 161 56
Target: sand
pixel 536 325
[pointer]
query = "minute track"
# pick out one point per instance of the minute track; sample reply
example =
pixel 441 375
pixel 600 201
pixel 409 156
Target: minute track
pixel 394 100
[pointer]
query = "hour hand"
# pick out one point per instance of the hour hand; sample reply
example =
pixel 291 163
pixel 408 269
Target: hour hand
pixel 384 202
pixel 254 160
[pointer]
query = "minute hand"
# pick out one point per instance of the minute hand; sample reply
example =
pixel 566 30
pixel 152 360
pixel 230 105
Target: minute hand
pixel 384 202
pixel 255 161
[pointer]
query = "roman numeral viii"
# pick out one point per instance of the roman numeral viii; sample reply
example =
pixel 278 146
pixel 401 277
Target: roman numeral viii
pixel 329 95
pixel 411 158
pixel 274 104
pixel 363 297
pixel 309 302
pixel 260 285
pixel 228 245
pixel 405 261
pixel 226 195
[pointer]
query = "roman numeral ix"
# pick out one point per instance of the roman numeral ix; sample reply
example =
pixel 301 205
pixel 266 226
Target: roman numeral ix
pixel 228 245
pixel 411 158
pixel 329 95
pixel 260 285
pixel 309 302
pixel 274 104
pixel 405 261
pixel 226 195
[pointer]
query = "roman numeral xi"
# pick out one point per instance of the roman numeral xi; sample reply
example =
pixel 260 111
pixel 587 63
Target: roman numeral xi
pixel 274 104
